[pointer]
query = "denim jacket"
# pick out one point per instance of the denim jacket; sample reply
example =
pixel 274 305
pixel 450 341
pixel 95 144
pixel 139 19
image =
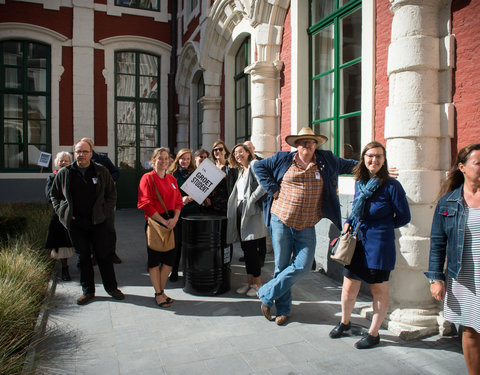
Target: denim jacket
pixel 447 236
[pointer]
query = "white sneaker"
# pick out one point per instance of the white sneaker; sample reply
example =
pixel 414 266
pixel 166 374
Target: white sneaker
pixel 243 289
pixel 252 292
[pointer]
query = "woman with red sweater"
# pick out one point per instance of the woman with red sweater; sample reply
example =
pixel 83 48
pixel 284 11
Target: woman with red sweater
pixel 160 263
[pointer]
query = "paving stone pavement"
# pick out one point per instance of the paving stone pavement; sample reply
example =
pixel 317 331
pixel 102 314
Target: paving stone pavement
pixel 224 334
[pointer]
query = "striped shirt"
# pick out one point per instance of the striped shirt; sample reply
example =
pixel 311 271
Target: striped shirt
pixel 299 203
pixel 462 302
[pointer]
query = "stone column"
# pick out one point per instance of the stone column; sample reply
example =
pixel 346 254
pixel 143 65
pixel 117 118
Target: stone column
pixel 211 120
pixel 83 49
pixel 182 130
pixel 265 104
pixel 418 129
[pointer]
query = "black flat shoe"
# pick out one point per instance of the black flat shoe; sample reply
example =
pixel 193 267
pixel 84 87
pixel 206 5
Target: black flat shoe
pixel 367 341
pixel 65 274
pixel 339 329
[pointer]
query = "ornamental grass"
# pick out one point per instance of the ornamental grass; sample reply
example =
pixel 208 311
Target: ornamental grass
pixel 25 270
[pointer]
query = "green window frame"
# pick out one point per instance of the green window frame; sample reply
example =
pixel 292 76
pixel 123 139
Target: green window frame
pixel 243 114
pixel 137 108
pixel 335 36
pixel 25 104
pixel 139 4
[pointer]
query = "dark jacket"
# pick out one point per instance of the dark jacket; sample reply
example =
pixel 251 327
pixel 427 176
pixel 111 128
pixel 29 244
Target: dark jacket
pixel 104 160
pixel 106 195
pixel 270 172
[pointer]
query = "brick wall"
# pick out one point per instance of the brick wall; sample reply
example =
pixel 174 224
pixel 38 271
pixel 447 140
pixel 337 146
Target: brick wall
pixel 285 82
pixel 382 41
pixel 466 28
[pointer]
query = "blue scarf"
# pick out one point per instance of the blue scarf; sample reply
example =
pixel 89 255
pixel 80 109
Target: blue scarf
pixel 365 191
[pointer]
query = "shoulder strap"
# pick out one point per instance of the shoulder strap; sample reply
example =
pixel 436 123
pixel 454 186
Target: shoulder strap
pixel 159 197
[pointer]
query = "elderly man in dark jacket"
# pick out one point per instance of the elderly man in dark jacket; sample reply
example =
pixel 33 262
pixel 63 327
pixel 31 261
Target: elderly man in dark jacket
pixel 84 196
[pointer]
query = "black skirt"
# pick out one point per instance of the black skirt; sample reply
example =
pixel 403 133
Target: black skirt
pixel 358 269
pixel 57 235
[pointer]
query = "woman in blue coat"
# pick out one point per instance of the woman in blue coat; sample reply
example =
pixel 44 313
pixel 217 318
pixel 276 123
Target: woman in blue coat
pixel 381 205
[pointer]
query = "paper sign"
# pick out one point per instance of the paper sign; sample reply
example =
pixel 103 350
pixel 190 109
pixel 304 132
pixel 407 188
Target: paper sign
pixel 44 159
pixel 202 181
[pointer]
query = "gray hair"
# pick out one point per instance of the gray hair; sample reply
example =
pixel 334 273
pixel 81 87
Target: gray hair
pixel 60 155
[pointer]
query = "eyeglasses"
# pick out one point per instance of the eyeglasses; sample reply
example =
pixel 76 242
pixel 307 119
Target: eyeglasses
pixel 371 156
pixel 218 149
pixel 80 152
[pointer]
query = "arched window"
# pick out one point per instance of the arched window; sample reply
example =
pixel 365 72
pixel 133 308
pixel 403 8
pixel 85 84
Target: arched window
pixel 243 122
pixel 335 65
pixel 24 104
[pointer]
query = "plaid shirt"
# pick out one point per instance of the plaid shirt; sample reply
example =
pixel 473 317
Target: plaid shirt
pixel 299 203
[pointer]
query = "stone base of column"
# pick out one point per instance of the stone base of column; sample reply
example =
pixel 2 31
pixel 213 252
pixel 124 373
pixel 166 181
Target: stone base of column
pixel 410 324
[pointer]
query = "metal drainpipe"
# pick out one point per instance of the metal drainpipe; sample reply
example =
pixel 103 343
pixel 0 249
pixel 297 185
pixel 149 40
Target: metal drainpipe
pixel 172 97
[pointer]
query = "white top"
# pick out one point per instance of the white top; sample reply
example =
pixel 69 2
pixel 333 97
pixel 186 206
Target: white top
pixel 241 185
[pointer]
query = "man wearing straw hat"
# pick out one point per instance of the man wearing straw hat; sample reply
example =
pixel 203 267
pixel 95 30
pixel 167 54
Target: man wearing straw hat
pixel 301 189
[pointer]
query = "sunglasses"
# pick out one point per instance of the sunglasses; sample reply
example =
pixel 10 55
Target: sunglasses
pixel 220 149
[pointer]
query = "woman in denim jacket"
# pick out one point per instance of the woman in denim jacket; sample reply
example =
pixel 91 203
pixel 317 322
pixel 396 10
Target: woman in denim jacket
pixel 455 236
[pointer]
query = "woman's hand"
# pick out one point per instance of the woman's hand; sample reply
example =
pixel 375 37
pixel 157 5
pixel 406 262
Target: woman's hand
pixel 438 290
pixel 187 199
pixel 346 226
pixel 393 172
pixel 170 223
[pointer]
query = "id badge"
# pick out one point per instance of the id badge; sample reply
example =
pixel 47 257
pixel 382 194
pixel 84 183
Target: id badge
pixel 317 175
pixel 174 186
pixel 95 180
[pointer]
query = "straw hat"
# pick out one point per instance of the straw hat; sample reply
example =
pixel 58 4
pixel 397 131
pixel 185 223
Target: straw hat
pixel 305 133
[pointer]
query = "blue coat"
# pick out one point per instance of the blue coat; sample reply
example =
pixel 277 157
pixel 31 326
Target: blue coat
pixel 388 209
pixel 270 172
pixel 447 235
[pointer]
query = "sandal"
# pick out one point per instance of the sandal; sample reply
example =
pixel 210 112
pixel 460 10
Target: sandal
pixel 163 304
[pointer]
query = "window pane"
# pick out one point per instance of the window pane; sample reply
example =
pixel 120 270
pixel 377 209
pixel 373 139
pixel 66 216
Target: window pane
pixel 126 112
pixel 148 136
pixel 125 85
pixel 148 87
pixel 34 154
pixel 323 48
pixel 249 122
pixel 351 29
pixel 148 64
pixel 350 147
pixel 148 113
pixel 37 131
pixel 326 129
pixel 321 9
pixel 13 156
pixel 145 156
pixel 126 157
pixel 343 2
pixel 240 123
pixel 13 131
pixel 126 62
pixel 13 78
pixel 242 59
pixel 240 93
pixel 323 94
pixel 37 55
pixel 351 78
pixel 37 79
pixel 126 135
pixel 13 106
pixel 12 53
pixel 37 107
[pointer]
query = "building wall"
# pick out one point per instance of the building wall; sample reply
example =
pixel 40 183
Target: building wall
pixel 286 82
pixel 466 28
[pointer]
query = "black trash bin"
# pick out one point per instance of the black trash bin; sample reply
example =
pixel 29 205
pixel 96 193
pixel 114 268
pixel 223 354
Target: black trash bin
pixel 206 266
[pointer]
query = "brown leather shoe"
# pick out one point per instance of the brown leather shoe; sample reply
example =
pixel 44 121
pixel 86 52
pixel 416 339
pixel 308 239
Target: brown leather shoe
pixel 281 320
pixel 117 294
pixel 266 312
pixel 85 298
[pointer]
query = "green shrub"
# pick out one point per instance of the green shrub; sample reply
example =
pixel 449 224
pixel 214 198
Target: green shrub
pixel 25 270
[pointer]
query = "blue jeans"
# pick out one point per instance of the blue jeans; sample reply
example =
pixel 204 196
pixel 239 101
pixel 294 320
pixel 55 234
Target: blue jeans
pixel 287 242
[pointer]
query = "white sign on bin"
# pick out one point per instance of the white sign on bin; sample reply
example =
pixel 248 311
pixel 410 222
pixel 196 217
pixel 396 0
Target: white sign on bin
pixel 202 181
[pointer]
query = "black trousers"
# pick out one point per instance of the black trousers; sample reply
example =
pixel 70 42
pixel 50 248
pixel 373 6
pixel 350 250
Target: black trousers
pixel 252 257
pixel 99 238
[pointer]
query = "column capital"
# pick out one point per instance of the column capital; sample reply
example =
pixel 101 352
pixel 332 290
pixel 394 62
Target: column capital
pixel 396 4
pixel 265 69
pixel 210 102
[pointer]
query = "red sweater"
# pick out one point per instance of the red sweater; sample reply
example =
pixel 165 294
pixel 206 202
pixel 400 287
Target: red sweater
pixel 168 189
